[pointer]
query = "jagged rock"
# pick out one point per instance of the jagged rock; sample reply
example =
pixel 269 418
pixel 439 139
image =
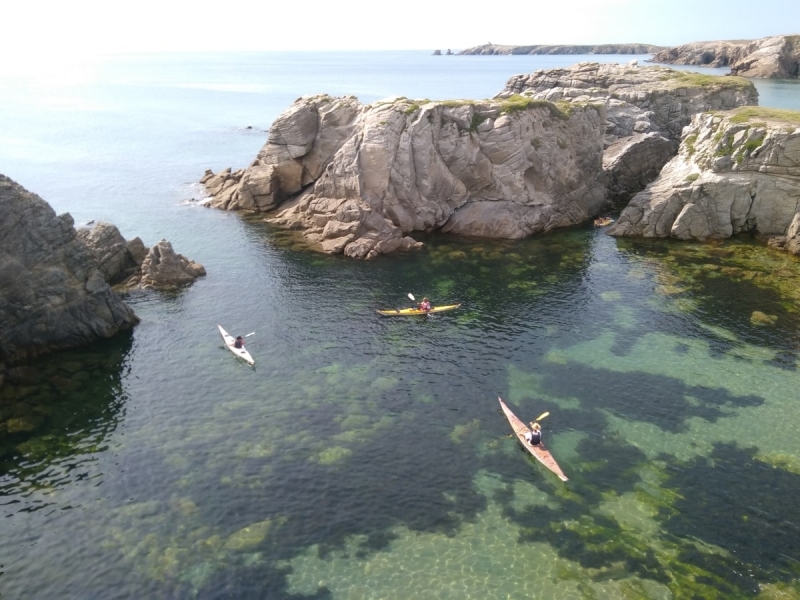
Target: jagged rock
pixel 437 52
pixel 485 49
pixel 776 57
pixel 164 268
pixel 52 294
pixel 735 172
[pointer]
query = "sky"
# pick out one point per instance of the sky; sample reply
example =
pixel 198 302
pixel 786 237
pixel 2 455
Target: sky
pixel 59 28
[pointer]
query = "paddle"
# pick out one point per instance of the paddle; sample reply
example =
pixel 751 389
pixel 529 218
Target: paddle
pixel 542 416
pixel 410 295
pixel 249 334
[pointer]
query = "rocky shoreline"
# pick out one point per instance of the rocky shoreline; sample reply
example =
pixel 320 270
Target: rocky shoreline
pixel 55 280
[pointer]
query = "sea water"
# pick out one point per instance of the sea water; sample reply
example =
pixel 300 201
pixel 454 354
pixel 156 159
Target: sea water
pixel 364 456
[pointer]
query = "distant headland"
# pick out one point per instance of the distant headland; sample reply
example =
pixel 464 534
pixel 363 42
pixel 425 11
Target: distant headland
pixel 776 57
pixel 490 48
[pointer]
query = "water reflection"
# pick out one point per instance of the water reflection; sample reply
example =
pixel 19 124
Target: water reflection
pixel 56 413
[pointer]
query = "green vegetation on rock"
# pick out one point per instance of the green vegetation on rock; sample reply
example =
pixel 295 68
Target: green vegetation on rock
pixel 744 114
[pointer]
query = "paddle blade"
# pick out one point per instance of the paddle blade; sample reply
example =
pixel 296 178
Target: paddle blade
pixel 542 416
pixel 410 295
pixel 249 334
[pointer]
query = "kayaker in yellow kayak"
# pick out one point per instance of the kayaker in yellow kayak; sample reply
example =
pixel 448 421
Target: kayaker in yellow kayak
pixel 425 304
pixel 534 436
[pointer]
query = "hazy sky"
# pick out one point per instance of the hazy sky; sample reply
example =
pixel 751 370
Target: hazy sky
pixel 58 27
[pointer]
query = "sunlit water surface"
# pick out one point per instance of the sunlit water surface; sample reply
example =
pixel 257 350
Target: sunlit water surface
pixel 366 456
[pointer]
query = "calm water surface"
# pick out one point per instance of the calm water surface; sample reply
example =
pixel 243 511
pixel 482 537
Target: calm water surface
pixel 366 457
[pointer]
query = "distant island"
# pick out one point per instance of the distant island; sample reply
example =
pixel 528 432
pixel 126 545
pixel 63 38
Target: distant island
pixel 490 48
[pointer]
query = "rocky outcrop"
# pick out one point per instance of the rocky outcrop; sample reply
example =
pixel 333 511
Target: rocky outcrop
pixel 488 49
pixel 639 99
pixel 52 293
pixel 163 268
pixel 647 109
pixel 776 57
pixel 736 172
pixel 362 178
pixel 130 265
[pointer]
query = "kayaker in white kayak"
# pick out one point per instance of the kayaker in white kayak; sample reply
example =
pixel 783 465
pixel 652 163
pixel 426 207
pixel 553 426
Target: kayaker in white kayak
pixel 534 436
pixel 239 343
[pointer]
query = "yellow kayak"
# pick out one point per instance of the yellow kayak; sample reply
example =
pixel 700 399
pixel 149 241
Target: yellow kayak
pixel 412 312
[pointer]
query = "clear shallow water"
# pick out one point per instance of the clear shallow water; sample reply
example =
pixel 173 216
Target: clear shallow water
pixel 366 457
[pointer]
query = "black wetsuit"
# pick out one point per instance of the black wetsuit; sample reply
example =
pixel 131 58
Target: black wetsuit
pixel 536 438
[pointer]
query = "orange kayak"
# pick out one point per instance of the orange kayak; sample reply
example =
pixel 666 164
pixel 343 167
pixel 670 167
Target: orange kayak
pixel 541 453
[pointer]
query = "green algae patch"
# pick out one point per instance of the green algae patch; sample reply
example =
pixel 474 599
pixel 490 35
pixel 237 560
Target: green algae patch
pixel 464 430
pixel 781 460
pixel 248 537
pixel 611 296
pixel 333 455
pixel 759 318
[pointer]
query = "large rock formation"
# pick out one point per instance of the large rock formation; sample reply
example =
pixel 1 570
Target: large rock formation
pixel 775 57
pixel 362 178
pixel 128 264
pixel 490 48
pixel 359 179
pixel 737 171
pixel 52 293
pixel 647 109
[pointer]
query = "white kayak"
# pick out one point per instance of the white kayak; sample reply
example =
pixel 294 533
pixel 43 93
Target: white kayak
pixel 240 352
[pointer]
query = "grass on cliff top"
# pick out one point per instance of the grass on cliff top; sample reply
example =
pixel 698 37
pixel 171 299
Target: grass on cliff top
pixel 745 113
pixel 680 79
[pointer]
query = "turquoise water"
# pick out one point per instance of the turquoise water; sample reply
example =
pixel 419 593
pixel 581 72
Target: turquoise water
pixel 366 457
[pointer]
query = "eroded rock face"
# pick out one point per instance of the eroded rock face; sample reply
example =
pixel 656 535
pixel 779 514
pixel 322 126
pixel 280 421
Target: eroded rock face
pixel 647 109
pixel 163 268
pixel 362 178
pixel 735 172
pixel 52 293
pixel 776 57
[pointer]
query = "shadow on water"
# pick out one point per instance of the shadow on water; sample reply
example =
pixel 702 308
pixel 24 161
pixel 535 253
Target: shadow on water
pixel 57 408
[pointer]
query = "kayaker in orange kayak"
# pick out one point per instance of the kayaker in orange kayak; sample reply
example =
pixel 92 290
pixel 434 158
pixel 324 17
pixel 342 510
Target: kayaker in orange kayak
pixel 534 437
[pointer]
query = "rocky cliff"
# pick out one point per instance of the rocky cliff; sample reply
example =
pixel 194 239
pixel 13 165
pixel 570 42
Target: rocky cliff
pixel 52 294
pixel 361 178
pixel 775 57
pixel 485 49
pixel 736 171
pixel 646 107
